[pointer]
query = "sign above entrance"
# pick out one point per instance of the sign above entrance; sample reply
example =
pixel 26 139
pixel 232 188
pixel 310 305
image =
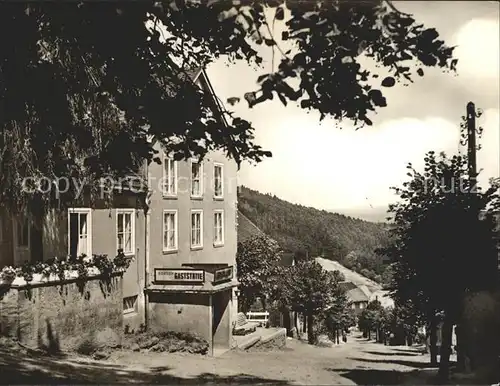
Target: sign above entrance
pixel 167 275
pixel 223 274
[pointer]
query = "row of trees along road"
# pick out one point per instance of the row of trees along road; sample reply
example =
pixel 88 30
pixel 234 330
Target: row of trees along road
pixel 441 247
pixel 305 287
pixel 107 100
pixel 392 325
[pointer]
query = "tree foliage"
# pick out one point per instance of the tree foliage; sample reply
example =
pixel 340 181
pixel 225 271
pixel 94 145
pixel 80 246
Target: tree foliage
pixel 308 289
pixel 444 243
pixel 371 317
pixel 86 84
pixel 339 315
pixel 257 262
pixel 442 246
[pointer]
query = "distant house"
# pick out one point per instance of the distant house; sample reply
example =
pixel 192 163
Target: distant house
pixel 359 297
pixel 383 297
pixel 350 276
pixel 246 228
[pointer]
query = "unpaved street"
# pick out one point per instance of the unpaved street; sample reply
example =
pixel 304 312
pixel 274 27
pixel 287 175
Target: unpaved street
pixel 357 362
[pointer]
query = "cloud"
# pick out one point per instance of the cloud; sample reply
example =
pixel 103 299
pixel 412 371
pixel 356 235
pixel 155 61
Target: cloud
pixel 345 168
pixel 327 167
pixel 478 49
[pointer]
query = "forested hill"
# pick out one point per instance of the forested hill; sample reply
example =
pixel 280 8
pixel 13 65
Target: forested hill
pixel 312 232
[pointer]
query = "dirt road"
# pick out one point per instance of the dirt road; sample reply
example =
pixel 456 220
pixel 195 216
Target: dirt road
pixel 357 362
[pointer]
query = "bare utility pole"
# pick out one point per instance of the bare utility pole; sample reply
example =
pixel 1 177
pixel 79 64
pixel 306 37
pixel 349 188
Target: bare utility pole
pixel 471 144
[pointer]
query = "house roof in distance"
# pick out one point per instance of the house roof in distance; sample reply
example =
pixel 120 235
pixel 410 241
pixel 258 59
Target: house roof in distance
pixel 350 276
pixel 246 228
pixel 356 295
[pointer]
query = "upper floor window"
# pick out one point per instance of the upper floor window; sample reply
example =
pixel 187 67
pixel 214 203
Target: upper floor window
pixel 219 227
pixel 169 176
pixel 80 234
pixel 196 228
pixel 218 181
pixel 125 230
pixel 196 179
pixel 23 232
pixel 169 230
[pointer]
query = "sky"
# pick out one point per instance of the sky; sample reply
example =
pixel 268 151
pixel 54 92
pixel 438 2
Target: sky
pixel 331 166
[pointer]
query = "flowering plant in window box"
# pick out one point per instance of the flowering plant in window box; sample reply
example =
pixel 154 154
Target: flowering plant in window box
pixel 57 269
pixel 8 274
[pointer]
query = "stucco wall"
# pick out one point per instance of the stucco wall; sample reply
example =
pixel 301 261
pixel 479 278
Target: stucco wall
pixel 183 203
pixel 55 243
pixel 62 314
pixel 181 313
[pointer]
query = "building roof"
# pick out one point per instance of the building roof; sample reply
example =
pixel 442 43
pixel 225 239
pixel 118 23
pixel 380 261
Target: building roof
pixel 356 295
pixel 347 285
pixel 350 275
pixel 383 297
pixel 246 228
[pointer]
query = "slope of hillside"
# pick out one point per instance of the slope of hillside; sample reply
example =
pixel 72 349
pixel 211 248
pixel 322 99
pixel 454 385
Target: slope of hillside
pixel 349 275
pixel 311 232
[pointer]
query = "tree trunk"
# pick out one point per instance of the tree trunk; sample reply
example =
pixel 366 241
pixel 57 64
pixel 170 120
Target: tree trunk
pixel 310 332
pixel 264 303
pixel 433 341
pixel 444 363
pixel 459 348
pixel 338 338
pixel 369 334
pixel 304 323
pixel 463 362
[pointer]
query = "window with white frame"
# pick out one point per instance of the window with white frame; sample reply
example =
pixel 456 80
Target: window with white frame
pixel 23 232
pixel 169 176
pixel 196 178
pixel 218 227
pixel 130 304
pixel 125 230
pixel 79 232
pixel 196 228
pixel 218 181
pixel 170 230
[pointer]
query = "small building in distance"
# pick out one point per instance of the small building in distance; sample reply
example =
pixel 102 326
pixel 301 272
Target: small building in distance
pixel 359 297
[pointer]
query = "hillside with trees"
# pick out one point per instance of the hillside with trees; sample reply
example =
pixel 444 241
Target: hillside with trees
pixel 309 232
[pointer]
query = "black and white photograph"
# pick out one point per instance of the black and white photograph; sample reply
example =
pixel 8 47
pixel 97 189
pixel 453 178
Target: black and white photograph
pixel 272 192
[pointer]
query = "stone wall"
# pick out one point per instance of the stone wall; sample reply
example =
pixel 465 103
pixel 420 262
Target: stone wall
pixel 276 340
pixel 62 315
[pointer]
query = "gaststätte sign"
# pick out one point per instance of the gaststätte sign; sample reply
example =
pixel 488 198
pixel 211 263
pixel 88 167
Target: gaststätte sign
pixel 223 274
pixel 170 275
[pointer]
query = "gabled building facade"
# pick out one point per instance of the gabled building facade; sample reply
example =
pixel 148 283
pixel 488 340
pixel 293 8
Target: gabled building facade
pixel 180 229
pixel 191 263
